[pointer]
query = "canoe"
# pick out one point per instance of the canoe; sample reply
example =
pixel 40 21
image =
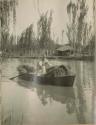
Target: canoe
pixel 60 80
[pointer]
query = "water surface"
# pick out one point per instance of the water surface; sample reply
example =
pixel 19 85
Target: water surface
pixel 26 103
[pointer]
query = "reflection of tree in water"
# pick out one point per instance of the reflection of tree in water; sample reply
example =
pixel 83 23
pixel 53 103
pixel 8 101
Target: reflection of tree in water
pixel 70 106
pixel 59 94
pixel 49 94
pixel 80 97
pixel 43 96
pixel 64 95
pixel 12 117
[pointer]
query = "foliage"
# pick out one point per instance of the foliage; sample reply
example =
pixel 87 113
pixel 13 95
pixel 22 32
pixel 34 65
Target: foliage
pixel 43 42
pixel 6 7
pixel 27 38
pixel 44 30
pixel 78 30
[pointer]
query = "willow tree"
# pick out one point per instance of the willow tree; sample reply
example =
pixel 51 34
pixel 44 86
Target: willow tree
pixel 81 22
pixel 44 31
pixel 7 8
pixel 72 26
pixel 77 24
pixel 94 17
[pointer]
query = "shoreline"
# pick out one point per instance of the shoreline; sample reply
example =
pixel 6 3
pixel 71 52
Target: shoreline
pixel 83 58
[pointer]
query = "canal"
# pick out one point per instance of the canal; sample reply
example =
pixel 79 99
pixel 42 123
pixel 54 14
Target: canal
pixel 49 105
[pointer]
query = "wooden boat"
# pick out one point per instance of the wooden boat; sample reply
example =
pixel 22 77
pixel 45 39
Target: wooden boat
pixel 64 80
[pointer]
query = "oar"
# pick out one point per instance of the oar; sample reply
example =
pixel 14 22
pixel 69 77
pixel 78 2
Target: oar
pixel 17 76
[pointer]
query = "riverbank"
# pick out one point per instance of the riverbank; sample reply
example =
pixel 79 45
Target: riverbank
pixel 84 57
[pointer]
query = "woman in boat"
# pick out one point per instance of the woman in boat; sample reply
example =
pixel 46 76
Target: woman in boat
pixel 42 66
pixel 39 67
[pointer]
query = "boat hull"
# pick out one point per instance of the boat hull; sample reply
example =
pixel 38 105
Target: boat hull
pixel 67 80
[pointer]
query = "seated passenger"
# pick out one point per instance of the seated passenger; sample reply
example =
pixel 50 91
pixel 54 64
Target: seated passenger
pixel 42 65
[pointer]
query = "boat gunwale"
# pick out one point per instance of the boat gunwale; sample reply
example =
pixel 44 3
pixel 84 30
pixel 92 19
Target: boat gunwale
pixel 70 75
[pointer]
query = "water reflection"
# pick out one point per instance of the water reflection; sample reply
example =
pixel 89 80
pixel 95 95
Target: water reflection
pixel 73 98
pixel 70 105
pixel 46 94
pixel 80 92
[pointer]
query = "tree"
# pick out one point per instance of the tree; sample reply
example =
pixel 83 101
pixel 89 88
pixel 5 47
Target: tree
pixel 27 40
pixel 6 6
pixel 81 22
pixel 77 25
pixel 44 30
pixel 72 26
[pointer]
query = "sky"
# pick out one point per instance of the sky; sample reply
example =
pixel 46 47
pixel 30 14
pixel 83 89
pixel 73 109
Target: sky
pixel 27 13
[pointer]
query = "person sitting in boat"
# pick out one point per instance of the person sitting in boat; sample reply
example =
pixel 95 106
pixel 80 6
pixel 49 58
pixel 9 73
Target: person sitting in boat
pixel 39 67
pixel 46 63
pixel 42 66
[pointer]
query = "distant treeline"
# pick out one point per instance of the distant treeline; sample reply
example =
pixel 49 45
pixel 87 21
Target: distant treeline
pixel 79 33
pixel 30 43
pixel 40 43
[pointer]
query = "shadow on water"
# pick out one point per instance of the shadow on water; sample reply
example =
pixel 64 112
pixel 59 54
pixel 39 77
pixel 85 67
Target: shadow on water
pixel 63 95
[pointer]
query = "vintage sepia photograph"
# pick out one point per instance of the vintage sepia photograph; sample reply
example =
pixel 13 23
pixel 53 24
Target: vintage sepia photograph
pixel 47 62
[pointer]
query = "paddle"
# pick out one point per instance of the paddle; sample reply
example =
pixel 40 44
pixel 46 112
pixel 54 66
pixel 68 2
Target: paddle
pixel 17 76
